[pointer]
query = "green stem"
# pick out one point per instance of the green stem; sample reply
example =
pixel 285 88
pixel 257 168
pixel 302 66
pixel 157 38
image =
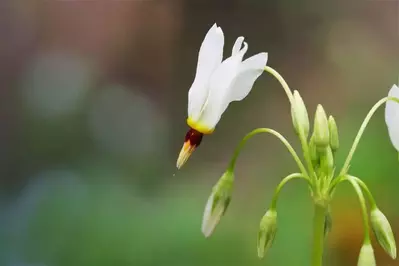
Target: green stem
pixel 285 180
pixel 318 234
pixel 275 133
pixel 373 204
pixel 363 206
pixel 302 138
pixel 282 82
pixel 361 131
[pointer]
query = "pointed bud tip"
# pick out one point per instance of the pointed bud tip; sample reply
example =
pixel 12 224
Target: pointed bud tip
pixel 184 154
pixel 217 203
pixel 383 232
pixel 267 232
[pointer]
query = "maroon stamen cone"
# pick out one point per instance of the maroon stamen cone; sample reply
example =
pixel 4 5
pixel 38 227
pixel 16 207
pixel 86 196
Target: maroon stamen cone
pixel 191 141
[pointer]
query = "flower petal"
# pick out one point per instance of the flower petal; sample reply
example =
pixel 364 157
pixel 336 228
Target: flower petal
pixel 220 83
pixel 237 45
pixel 392 108
pixel 394 136
pixel 209 58
pixel 250 70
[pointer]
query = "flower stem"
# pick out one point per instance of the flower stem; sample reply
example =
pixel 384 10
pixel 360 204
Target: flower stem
pixel 302 137
pixel 318 234
pixel 358 190
pixel 372 202
pixel 361 131
pixel 285 180
pixel 282 82
pixel 275 133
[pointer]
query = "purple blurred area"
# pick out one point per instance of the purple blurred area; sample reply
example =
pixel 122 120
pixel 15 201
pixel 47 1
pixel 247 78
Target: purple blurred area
pixel 93 103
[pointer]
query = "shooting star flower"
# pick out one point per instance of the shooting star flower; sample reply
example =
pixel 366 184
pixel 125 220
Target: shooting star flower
pixel 216 85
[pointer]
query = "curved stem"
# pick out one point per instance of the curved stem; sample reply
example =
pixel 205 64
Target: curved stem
pixel 302 138
pixel 285 180
pixel 275 133
pixel 372 201
pixel 363 206
pixel 282 82
pixel 361 131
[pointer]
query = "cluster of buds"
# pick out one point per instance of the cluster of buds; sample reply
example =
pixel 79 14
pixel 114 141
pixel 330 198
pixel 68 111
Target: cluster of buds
pixel 318 146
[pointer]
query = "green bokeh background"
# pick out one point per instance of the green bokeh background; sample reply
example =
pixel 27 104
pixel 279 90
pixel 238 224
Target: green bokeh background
pixel 92 114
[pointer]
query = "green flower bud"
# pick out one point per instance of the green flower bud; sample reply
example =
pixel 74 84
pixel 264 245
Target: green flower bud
pixel 217 203
pixel 321 130
pixel 327 161
pixel 366 256
pixel 383 232
pixel 299 114
pixel 334 140
pixel 314 155
pixel 267 232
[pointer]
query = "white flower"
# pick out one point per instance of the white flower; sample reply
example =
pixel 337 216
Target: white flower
pixel 392 116
pixel 218 83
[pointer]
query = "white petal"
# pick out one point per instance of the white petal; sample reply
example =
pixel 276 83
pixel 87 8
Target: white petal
pixel 237 45
pixel 249 71
pixel 209 58
pixel 394 135
pixel 392 108
pixel 220 83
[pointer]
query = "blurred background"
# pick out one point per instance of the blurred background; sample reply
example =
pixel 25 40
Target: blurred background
pixel 93 102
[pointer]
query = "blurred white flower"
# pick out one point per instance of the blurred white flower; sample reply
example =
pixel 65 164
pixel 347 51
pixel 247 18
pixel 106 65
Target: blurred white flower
pixel 217 84
pixel 392 116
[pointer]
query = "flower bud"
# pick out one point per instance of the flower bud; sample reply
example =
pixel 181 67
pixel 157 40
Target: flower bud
pixel 327 161
pixel 299 115
pixel 314 155
pixel 217 203
pixel 334 140
pixel 267 232
pixel 383 232
pixel 366 256
pixel 321 130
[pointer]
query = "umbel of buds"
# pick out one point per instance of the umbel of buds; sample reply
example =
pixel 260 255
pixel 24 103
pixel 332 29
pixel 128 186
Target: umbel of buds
pixel 220 83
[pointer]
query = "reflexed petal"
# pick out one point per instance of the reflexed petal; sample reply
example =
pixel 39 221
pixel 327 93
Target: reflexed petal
pixel 209 58
pixel 237 45
pixel 394 135
pixel 220 83
pixel 392 108
pixel 250 70
pixel 392 117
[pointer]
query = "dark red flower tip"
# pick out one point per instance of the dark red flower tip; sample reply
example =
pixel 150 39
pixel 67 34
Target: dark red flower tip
pixel 194 137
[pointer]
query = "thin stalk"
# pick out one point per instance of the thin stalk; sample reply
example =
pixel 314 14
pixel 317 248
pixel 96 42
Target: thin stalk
pixel 302 138
pixel 279 136
pixel 358 190
pixel 285 180
pixel 361 131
